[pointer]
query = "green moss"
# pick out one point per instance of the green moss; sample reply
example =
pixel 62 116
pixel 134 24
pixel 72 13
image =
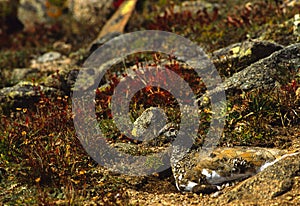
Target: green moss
pixel 15 59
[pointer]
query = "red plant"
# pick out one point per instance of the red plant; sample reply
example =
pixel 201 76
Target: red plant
pixel 117 3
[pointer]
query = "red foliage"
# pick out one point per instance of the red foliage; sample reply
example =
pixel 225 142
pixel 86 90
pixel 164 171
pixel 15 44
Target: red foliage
pixel 117 3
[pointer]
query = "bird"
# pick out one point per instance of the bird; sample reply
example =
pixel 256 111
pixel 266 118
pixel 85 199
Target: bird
pixel 199 171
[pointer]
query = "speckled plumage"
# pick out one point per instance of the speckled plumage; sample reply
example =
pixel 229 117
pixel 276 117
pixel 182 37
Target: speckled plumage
pixel 202 172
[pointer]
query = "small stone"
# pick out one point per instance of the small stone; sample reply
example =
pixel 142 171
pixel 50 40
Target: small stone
pixel 147 126
pixel 195 6
pixel 49 56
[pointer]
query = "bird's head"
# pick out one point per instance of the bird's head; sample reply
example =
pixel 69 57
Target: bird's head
pixel 170 131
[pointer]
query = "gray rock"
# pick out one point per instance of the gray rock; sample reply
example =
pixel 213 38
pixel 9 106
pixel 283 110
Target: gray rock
pixel 91 12
pixel 49 56
pixel 64 79
pixel 195 6
pixel 263 74
pixel 31 12
pixel 237 56
pixel 148 125
pixel 22 95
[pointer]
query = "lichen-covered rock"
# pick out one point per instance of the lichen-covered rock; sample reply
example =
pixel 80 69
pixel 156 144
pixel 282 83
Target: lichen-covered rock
pixel 148 125
pixel 60 72
pixel 51 61
pixel 263 74
pixel 41 11
pixel 48 57
pixel 51 70
pixel 240 55
pixel 62 80
pixel 195 6
pixel 31 12
pixel 90 11
pixel 23 95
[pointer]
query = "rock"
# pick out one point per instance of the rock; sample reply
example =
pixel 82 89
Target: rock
pixel 148 125
pixel 13 76
pixel 31 12
pixel 275 181
pixel 60 72
pixel 64 79
pixel 52 70
pixel 49 56
pixel 240 55
pixel 23 95
pixel 90 11
pixel 50 62
pixel 265 73
pixel 195 6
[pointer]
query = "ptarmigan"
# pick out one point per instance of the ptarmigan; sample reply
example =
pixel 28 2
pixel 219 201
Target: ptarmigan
pixel 200 173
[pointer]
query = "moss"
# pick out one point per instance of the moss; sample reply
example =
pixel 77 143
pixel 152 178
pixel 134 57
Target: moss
pixel 15 59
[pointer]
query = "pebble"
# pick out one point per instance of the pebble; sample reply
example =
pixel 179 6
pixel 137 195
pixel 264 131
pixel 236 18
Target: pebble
pixel 49 56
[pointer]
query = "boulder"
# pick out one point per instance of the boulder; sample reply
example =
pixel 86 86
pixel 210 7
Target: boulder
pixel 264 74
pixel 237 56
